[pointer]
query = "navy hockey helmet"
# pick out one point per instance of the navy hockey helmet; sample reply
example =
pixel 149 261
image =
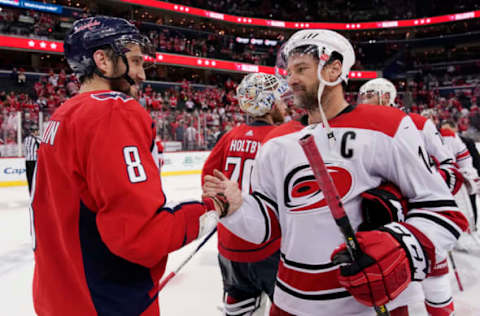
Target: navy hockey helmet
pixel 92 33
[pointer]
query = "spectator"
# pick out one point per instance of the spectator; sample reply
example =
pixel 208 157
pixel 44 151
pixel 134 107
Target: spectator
pixel 191 138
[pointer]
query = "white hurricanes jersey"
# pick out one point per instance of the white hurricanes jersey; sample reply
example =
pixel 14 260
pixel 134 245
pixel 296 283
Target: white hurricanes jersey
pixel 433 140
pixel 462 157
pixel 465 163
pixel 373 144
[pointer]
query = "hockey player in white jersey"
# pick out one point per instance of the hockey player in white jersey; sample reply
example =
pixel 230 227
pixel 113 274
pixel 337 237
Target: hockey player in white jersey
pixel 378 91
pixel 437 288
pixel 462 159
pixel 382 92
pixel 362 147
pixel 448 130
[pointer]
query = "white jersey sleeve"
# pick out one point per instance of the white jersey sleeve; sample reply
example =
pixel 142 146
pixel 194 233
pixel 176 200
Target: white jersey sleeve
pixel 424 188
pixel 464 161
pixel 434 144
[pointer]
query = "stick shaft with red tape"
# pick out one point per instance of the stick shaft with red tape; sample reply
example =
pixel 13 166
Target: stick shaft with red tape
pixel 334 202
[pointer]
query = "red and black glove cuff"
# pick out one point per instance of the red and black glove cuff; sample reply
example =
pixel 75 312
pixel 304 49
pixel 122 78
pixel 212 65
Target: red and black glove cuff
pixel 411 239
pixel 453 178
pixel 382 205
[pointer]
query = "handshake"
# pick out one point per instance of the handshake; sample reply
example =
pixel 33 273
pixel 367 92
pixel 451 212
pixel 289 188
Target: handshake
pixel 221 196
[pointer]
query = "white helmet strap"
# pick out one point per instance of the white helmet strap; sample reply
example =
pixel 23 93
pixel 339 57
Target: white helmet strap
pixel 323 59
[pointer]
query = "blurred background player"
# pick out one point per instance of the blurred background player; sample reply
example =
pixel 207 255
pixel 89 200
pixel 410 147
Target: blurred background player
pixel 472 148
pixel 381 91
pixel 377 91
pixel 101 227
pixel 248 269
pixel 308 282
pixel 469 241
pixel 463 160
pixel 437 288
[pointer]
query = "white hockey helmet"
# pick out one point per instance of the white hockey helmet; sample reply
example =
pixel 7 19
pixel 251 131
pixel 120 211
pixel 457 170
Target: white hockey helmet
pixel 379 86
pixel 429 113
pixel 258 92
pixel 321 43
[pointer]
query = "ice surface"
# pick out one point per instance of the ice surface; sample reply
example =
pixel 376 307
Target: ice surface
pixel 196 290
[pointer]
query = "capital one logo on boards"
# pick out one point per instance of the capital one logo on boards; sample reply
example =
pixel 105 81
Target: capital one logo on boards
pixel 13 171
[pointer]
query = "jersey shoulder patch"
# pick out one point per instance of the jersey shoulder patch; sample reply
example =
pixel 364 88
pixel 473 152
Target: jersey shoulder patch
pixel 378 118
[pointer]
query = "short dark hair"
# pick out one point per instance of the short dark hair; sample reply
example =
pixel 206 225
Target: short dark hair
pixel 110 54
pixel 450 123
pixel 313 51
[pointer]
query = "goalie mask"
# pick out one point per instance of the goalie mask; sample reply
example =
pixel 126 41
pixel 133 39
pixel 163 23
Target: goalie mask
pixel 258 92
pixel 380 87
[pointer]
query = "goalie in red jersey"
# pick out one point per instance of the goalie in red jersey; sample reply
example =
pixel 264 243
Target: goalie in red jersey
pixel 248 269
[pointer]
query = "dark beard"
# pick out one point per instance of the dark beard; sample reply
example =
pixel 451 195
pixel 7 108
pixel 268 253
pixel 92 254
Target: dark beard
pixel 121 85
pixel 307 101
pixel 277 116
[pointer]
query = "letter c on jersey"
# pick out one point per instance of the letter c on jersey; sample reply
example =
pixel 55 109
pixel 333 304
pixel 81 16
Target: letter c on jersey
pixel 302 192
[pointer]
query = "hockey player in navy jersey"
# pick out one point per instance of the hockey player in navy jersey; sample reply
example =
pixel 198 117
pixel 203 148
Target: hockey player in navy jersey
pixel 248 269
pixel 101 227
pixel 362 147
pixel 436 288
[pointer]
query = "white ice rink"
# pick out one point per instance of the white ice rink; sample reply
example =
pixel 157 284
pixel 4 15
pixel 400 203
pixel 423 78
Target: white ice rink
pixel 196 290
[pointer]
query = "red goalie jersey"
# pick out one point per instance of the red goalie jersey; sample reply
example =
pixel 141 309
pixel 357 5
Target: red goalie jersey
pixel 234 155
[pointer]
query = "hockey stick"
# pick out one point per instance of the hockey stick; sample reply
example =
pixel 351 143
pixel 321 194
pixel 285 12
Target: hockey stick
pixel 175 272
pixel 334 203
pixel 454 266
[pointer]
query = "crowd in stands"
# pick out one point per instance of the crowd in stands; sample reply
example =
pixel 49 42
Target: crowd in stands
pixel 28 22
pixel 211 45
pixel 444 76
pixel 196 116
pixel 335 11
pixel 204 38
pixel 304 10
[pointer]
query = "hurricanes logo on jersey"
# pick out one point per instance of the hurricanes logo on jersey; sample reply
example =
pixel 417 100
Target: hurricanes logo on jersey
pixel 302 192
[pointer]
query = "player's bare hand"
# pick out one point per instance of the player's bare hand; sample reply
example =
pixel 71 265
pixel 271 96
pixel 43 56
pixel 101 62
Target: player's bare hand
pixel 225 193
pixel 212 186
pixel 232 192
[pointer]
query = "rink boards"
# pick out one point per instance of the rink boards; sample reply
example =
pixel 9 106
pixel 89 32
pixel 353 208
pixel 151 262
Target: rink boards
pixel 12 170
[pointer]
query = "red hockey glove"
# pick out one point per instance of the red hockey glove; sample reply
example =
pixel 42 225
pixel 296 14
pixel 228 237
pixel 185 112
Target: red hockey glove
pixel 392 257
